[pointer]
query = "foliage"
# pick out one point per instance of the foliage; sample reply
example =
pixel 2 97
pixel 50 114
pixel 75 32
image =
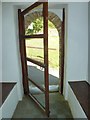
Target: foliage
pixel 51 25
pixel 38 25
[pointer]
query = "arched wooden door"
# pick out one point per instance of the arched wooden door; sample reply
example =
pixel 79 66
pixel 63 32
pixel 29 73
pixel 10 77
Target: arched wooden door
pixel 24 58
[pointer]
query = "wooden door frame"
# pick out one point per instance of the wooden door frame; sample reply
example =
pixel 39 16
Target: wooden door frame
pixel 22 52
pixel 62 51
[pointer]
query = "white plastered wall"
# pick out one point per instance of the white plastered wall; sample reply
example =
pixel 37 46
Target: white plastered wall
pixel 0 41
pixel 89 42
pixel 11 58
pixel 0 51
pixel 77 53
pixel 77 44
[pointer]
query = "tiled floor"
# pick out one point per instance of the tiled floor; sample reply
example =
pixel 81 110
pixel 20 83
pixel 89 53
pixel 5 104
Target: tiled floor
pixel 59 108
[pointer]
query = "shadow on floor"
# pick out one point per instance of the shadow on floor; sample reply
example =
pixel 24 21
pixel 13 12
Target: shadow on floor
pixel 34 73
pixel 59 108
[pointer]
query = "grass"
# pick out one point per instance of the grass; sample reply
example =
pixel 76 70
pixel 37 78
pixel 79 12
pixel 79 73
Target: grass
pixel 33 50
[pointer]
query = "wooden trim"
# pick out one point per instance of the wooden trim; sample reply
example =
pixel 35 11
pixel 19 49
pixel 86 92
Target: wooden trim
pixel 31 7
pixel 81 90
pixel 62 51
pixel 5 89
pixel 22 52
pixel 36 62
pixel 34 36
pixel 45 24
pixel 43 90
pixel 25 61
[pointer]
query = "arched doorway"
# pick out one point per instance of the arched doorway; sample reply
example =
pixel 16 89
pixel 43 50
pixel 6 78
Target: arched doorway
pixel 54 19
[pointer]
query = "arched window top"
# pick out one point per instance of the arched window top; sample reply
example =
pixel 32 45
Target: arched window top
pixel 37 14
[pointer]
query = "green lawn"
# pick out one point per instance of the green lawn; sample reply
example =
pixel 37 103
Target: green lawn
pixel 34 50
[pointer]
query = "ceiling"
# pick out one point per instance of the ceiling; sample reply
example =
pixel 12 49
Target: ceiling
pixel 51 5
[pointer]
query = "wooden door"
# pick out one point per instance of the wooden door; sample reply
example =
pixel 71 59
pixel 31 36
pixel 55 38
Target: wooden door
pixel 24 58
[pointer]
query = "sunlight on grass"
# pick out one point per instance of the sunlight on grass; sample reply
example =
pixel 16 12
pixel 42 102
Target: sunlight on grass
pixel 34 49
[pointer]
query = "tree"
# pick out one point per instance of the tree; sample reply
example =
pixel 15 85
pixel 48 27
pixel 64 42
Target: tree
pixel 37 25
